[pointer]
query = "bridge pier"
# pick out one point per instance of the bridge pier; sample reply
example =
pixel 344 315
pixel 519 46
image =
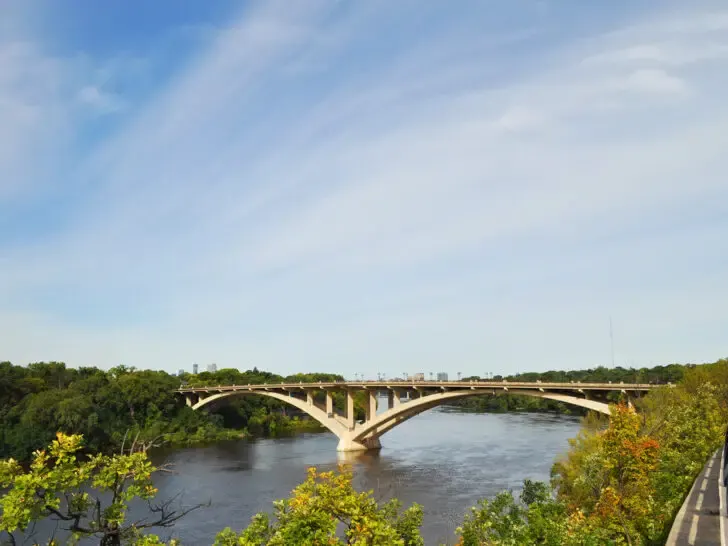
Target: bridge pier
pixel 347 443
pixel 329 404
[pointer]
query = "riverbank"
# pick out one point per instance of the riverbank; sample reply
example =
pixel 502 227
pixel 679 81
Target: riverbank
pixel 506 403
pixel 284 426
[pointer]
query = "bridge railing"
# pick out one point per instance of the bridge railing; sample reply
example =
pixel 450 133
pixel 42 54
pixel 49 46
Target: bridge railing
pixel 389 384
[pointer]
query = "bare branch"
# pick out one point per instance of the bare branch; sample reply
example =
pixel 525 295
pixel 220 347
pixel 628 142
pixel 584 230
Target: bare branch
pixel 152 443
pixel 60 515
pixel 75 520
pixel 98 512
pixel 167 468
pixel 167 516
pixel 134 443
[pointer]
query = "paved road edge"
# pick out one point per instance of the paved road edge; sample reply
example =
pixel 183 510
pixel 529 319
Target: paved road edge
pixel 680 517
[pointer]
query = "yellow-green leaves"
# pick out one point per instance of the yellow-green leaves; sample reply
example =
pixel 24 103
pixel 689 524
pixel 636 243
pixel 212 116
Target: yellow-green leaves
pixel 327 510
pixel 35 494
pixel 64 486
pixel 8 471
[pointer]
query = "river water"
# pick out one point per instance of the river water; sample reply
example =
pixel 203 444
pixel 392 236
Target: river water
pixel 444 460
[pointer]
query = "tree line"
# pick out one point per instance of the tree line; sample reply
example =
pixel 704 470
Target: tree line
pixel 657 375
pixel 42 398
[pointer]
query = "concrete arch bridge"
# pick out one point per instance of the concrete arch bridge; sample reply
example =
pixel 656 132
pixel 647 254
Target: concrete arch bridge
pixel 405 400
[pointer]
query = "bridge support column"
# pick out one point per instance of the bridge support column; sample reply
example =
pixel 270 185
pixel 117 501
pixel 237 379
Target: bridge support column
pixel 350 421
pixel 394 398
pixel 189 401
pixel 329 404
pixel 371 409
pixel 309 397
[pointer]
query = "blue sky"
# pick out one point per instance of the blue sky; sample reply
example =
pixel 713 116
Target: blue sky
pixel 363 187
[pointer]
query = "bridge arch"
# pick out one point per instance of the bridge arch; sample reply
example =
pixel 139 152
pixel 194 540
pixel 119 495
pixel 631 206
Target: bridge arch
pixel 387 420
pixel 333 424
pixel 362 436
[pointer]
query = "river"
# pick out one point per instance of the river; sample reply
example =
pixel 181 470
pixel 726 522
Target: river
pixel 443 459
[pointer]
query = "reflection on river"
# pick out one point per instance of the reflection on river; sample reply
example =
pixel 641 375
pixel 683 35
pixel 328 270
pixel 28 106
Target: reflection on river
pixel 443 460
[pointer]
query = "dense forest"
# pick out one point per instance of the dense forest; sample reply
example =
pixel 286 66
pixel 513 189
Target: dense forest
pixel 40 399
pixel 622 482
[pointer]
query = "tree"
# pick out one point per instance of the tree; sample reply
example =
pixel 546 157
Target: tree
pixel 326 509
pixel 626 503
pixel 89 496
pixel 537 519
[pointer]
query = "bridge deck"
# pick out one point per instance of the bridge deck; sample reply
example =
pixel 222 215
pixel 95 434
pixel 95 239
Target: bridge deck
pixel 417 385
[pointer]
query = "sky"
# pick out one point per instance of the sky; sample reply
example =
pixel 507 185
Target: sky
pixel 364 187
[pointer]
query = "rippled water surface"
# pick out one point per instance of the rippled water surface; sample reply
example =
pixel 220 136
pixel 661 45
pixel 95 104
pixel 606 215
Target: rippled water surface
pixel 443 460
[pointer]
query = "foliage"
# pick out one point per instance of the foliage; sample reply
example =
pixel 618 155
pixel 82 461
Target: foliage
pixel 611 501
pixel 89 495
pixel 326 509
pixel 537 519
pixel 506 402
pixel 621 482
pixel 42 398
pixel 631 478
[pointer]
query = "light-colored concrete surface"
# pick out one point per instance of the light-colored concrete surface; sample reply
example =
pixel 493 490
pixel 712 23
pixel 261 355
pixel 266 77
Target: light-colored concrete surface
pixel 419 396
pixel 698 521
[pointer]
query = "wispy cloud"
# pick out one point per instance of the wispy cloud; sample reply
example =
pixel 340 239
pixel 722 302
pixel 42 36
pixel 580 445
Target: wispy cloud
pixel 333 182
pixel 99 100
pixel 31 89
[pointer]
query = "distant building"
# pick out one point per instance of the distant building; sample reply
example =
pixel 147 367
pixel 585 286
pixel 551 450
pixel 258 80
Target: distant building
pixel 419 376
pixel 180 372
pixel 195 369
pixel 212 368
pixel 442 376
